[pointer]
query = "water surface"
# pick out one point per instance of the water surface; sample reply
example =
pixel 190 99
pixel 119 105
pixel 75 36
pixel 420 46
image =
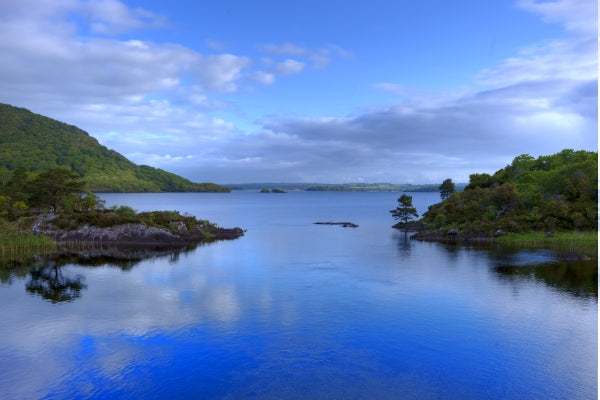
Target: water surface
pixel 298 310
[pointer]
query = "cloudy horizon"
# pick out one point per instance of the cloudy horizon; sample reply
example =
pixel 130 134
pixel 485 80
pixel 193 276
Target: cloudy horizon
pixel 334 92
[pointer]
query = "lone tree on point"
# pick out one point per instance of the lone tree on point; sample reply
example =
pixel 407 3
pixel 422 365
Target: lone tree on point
pixel 446 188
pixel 405 210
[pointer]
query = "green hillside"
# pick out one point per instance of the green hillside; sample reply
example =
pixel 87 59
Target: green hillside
pixel 39 143
pixel 555 192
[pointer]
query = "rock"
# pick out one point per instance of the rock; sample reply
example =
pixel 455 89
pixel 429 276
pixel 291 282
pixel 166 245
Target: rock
pixel 121 234
pixel 179 226
pixel 140 234
pixel 452 232
pixel 549 235
pixel 499 233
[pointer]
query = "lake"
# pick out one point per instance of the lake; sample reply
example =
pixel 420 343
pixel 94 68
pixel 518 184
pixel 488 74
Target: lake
pixel 294 310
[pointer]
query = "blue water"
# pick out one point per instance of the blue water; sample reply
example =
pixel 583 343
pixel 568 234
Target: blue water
pixel 295 310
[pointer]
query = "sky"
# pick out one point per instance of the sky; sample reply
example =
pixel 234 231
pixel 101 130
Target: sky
pixel 328 91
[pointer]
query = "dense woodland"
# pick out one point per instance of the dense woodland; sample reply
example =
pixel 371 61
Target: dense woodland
pixel 555 192
pixel 38 144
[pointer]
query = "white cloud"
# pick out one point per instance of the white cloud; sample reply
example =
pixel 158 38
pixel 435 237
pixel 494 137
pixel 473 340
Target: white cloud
pixel 283 49
pixel 575 15
pixel 220 73
pixel 266 78
pixel 572 58
pixel 113 17
pixel 320 57
pixel 290 66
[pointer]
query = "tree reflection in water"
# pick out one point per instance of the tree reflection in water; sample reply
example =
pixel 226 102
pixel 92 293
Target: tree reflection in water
pixel 51 284
pixel 48 280
pixel 578 278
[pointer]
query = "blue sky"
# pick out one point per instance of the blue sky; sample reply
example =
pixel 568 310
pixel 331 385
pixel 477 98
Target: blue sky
pixel 311 91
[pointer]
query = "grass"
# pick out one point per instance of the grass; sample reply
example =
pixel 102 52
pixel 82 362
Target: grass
pixel 18 245
pixel 584 243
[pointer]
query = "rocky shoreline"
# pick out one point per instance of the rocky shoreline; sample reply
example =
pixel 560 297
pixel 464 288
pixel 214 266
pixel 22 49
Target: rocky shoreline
pixel 419 232
pixel 137 234
pixel 453 235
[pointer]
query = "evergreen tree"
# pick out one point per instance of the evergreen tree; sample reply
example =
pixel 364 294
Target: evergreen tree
pixel 446 188
pixel 54 187
pixel 405 210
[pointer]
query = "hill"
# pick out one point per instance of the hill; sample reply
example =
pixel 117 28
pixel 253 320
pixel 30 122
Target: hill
pixel 39 143
pixel 555 192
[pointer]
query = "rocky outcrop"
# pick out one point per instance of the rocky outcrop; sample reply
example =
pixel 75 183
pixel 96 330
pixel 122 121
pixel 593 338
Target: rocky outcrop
pixel 137 234
pixel 451 236
pixel 129 234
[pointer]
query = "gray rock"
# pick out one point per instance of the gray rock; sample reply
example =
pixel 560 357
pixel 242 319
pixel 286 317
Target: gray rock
pixel 452 232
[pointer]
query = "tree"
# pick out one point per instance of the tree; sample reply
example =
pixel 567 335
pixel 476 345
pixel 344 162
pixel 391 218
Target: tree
pixel 16 186
pixel 53 187
pixel 479 180
pixel 446 188
pixel 405 210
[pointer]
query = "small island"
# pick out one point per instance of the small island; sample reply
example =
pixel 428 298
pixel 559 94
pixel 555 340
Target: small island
pixel 274 190
pixel 39 212
pixel 342 224
pixel 546 199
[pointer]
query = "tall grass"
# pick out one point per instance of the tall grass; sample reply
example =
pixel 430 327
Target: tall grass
pixel 18 245
pixel 584 243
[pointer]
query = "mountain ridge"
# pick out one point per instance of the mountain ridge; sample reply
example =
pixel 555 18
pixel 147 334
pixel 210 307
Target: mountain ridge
pixel 39 143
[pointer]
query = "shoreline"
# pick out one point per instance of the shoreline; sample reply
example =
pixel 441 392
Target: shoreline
pixel 573 245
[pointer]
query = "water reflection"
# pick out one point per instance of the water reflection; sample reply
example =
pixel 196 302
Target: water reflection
pixel 509 263
pixel 403 240
pixel 52 284
pixel 47 278
pixel 578 278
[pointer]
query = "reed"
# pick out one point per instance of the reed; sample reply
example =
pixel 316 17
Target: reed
pixel 18 245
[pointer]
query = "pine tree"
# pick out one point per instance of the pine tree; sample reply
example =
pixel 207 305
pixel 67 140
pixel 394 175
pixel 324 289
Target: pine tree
pixel 405 210
pixel 446 188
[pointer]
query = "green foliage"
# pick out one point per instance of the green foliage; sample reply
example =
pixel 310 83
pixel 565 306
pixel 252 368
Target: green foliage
pixel 405 210
pixel 33 143
pixel 124 211
pixel 556 192
pixel 479 181
pixel 55 188
pixel 447 188
pixel 125 214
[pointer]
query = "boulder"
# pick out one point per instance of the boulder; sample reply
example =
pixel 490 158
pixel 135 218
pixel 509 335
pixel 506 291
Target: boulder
pixel 452 232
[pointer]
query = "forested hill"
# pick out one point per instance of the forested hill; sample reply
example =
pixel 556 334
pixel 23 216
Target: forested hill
pixel 39 143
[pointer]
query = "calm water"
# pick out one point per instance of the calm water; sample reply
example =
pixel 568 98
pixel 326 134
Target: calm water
pixel 294 310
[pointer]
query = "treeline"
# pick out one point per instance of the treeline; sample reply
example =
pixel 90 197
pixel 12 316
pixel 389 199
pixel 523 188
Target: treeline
pixel 373 187
pixel 342 187
pixel 555 192
pixel 37 144
pixel 24 195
